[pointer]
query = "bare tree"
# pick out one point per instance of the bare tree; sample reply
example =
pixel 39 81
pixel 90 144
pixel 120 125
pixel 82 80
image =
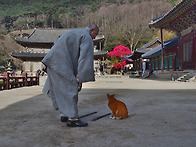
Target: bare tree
pixel 128 20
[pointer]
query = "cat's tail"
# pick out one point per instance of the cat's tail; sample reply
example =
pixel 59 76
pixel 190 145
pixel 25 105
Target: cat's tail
pixel 131 115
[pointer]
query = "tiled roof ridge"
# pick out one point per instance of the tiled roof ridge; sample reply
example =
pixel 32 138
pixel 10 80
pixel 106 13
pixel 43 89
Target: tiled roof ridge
pixel 149 43
pixel 173 10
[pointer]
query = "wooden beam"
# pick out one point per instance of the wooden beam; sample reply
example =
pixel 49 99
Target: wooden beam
pixel 162 55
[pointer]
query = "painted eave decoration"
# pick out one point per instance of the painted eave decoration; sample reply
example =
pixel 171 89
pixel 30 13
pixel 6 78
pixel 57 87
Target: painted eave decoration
pixel 181 17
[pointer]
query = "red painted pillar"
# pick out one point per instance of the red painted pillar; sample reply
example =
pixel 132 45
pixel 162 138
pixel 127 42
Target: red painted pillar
pixel 149 65
pixel 7 80
pixel 154 66
pixel 194 48
pixel 25 79
pixel 168 63
pixel 174 62
pixel 37 78
pixel 180 51
pixel 162 56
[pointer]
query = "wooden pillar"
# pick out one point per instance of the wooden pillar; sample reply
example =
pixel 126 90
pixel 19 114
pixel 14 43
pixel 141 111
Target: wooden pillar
pixel 103 65
pixel 100 46
pixel 153 66
pixel 25 79
pixel 7 80
pixel 162 56
pixel 37 78
pixel 180 52
pixel 194 48
pixel 168 62
pixel 16 82
pixel 150 65
pixel 158 63
pixel 174 62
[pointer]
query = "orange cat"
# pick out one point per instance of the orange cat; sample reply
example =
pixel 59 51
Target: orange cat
pixel 118 108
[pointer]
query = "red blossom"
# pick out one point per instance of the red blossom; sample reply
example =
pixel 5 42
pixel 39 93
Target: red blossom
pixel 118 53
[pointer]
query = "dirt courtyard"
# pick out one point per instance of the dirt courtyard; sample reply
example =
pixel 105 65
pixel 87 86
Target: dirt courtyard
pixel 165 116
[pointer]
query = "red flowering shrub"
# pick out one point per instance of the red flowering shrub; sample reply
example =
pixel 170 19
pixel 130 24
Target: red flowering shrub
pixel 120 65
pixel 117 54
pixel 119 51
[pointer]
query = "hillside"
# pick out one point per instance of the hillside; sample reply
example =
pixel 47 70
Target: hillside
pixel 9 45
pixel 45 11
pixel 14 8
pixel 120 21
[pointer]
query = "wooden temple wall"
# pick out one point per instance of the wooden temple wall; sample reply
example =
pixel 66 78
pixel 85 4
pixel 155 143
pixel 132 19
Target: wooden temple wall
pixel 187 49
pixel 32 67
pixel 137 64
pixel 170 62
pixel 181 57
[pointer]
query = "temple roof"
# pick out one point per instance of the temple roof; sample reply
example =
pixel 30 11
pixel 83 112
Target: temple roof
pixel 157 50
pixel 28 56
pixel 44 38
pixel 100 55
pixel 146 48
pixel 181 17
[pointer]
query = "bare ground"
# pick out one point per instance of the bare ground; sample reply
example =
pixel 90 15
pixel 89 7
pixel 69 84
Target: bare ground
pixel 165 116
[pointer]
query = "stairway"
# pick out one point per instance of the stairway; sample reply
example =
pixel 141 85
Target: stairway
pixel 191 76
pixel 147 74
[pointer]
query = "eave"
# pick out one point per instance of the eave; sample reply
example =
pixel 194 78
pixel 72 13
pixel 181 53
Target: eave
pixel 45 38
pixel 38 56
pixel 186 9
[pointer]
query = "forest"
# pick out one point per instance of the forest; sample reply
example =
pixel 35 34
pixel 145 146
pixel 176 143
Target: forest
pixel 122 22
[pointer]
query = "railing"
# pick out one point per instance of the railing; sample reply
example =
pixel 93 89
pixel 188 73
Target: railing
pixel 8 82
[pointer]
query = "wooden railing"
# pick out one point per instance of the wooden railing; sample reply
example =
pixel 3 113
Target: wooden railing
pixel 8 82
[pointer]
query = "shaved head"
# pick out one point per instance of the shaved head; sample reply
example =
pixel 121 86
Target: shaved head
pixel 94 26
pixel 94 30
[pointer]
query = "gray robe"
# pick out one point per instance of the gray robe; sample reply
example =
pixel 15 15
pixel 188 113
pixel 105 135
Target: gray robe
pixel 71 55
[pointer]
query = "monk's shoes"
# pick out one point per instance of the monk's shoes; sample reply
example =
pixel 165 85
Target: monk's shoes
pixel 64 119
pixel 76 123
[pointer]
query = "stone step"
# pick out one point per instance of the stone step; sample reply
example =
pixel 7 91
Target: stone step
pixel 187 77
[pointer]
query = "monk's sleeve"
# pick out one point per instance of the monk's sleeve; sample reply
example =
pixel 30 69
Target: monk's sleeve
pixel 85 61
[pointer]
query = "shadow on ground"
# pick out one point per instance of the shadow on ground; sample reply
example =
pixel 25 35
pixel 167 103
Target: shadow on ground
pixel 163 118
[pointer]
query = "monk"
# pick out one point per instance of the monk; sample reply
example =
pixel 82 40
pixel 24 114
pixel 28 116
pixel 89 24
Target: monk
pixel 69 64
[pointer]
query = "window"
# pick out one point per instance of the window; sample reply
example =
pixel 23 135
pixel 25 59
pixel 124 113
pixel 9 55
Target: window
pixel 157 64
pixel 187 52
pixel 177 62
pixel 152 65
pixel 160 61
pixel 170 62
pixel 166 63
pixel 187 48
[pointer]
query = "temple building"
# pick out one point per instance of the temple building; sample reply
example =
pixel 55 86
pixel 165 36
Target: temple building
pixel 181 20
pixel 138 61
pixel 39 42
pixel 171 61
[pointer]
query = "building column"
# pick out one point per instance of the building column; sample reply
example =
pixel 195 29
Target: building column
pixel 194 48
pixel 180 52
pixel 174 62
pixel 162 56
